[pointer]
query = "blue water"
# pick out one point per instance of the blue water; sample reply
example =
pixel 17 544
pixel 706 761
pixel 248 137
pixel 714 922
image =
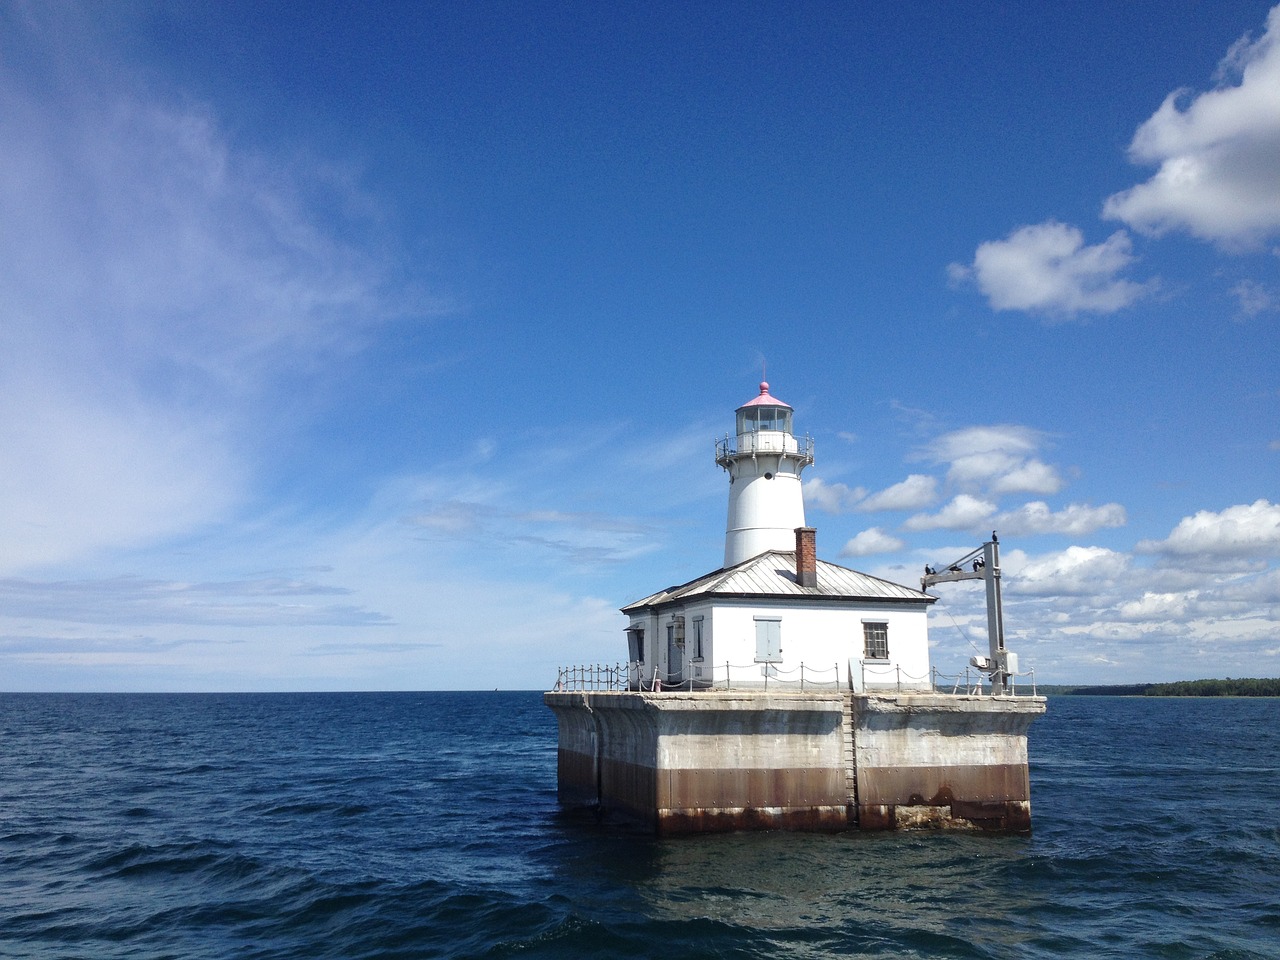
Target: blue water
pixel 425 825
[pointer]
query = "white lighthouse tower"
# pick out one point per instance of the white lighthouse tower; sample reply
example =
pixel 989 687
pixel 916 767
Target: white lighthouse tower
pixel 764 463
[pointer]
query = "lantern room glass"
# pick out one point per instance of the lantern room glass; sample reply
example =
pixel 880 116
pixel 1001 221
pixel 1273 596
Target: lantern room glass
pixel 756 419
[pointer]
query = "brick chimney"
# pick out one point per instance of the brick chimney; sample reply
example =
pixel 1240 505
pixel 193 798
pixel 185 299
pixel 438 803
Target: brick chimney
pixel 806 556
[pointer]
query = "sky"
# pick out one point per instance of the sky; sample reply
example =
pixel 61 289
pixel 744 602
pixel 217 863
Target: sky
pixel 351 347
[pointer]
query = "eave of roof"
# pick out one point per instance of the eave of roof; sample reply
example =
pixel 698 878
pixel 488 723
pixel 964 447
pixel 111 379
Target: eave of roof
pixel 771 575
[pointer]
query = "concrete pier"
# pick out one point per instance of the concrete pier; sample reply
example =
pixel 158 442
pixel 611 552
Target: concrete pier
pixel 692 762
pixel 943 761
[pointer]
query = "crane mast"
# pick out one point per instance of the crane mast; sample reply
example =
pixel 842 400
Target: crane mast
pixel 983 564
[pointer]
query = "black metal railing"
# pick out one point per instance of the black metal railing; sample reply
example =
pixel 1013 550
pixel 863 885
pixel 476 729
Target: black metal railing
pixel 755 676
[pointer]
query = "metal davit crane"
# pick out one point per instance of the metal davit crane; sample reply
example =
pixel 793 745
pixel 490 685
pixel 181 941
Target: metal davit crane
pixel 983 564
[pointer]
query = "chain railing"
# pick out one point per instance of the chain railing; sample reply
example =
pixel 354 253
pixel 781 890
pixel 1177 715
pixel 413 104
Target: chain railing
pixel 889 676
pixel 726 676
pixel 765 676
pixel 971 682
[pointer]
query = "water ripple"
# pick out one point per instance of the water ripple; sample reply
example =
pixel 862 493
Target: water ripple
pixel 425 825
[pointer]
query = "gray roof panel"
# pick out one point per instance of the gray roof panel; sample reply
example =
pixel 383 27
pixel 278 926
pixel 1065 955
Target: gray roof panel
pixel 773 574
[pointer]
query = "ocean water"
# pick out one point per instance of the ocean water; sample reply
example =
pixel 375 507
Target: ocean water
pixel 425 825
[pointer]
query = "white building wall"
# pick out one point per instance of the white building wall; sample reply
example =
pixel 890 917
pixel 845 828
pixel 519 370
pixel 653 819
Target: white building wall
pixel 825 638
pixel 687 665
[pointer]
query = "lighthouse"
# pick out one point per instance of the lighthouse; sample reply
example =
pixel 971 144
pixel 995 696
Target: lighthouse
pixel 781 691
pixel 764 462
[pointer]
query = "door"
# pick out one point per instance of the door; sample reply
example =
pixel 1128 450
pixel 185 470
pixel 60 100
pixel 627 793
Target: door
pixel 675 657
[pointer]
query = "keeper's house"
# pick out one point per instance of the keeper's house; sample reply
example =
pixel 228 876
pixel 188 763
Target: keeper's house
pixel 782 615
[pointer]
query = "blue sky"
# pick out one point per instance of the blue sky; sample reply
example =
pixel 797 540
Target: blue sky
pixel 348 347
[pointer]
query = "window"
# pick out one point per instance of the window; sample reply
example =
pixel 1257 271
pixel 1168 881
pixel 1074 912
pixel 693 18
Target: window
pixel 764 418
pixel 768 639
pixel 875 636
pixel 697 638
pixel 635 638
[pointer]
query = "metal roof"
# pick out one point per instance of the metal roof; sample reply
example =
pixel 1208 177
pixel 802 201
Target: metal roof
pixel 764 400
pixel 772 574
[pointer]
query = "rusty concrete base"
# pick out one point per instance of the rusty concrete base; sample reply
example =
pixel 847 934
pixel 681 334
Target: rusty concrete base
pixel 1012 816
pixel 819 819
pixel 707 761
pixel 697 762
pixel 930 760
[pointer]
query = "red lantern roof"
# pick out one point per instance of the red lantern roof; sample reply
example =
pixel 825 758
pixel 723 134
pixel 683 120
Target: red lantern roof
pixel 764 400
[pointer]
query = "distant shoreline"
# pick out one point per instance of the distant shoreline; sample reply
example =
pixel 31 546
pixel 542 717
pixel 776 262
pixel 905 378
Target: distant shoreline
pixel 1244 687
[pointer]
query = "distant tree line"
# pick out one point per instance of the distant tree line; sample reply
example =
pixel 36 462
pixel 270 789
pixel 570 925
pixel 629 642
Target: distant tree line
pixel 1242 687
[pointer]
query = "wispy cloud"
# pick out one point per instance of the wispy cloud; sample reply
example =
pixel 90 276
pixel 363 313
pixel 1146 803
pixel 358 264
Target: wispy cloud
pixel 97 646
pixel 162 286
pixel 133 600
pixel 996 458
pixel 1254 298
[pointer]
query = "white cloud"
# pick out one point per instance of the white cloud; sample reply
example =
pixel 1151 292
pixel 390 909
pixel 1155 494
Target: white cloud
pixel 1254 298
pixel 1031 476
pixel 1047 268
pixel 1218 157
pixel 1076 519
pixel 1155 606
pixel 999 438
pixel 870 542
pixel 981 467
pixel 1241 531
pixel 1262 588
pixel 1073 571
pixel 963 513
pixel 831 497
pixel 1068 610
pixel 996 458
pixel 917 491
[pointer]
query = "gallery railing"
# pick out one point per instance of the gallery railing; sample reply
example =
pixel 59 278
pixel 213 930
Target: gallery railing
pixel 874 678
